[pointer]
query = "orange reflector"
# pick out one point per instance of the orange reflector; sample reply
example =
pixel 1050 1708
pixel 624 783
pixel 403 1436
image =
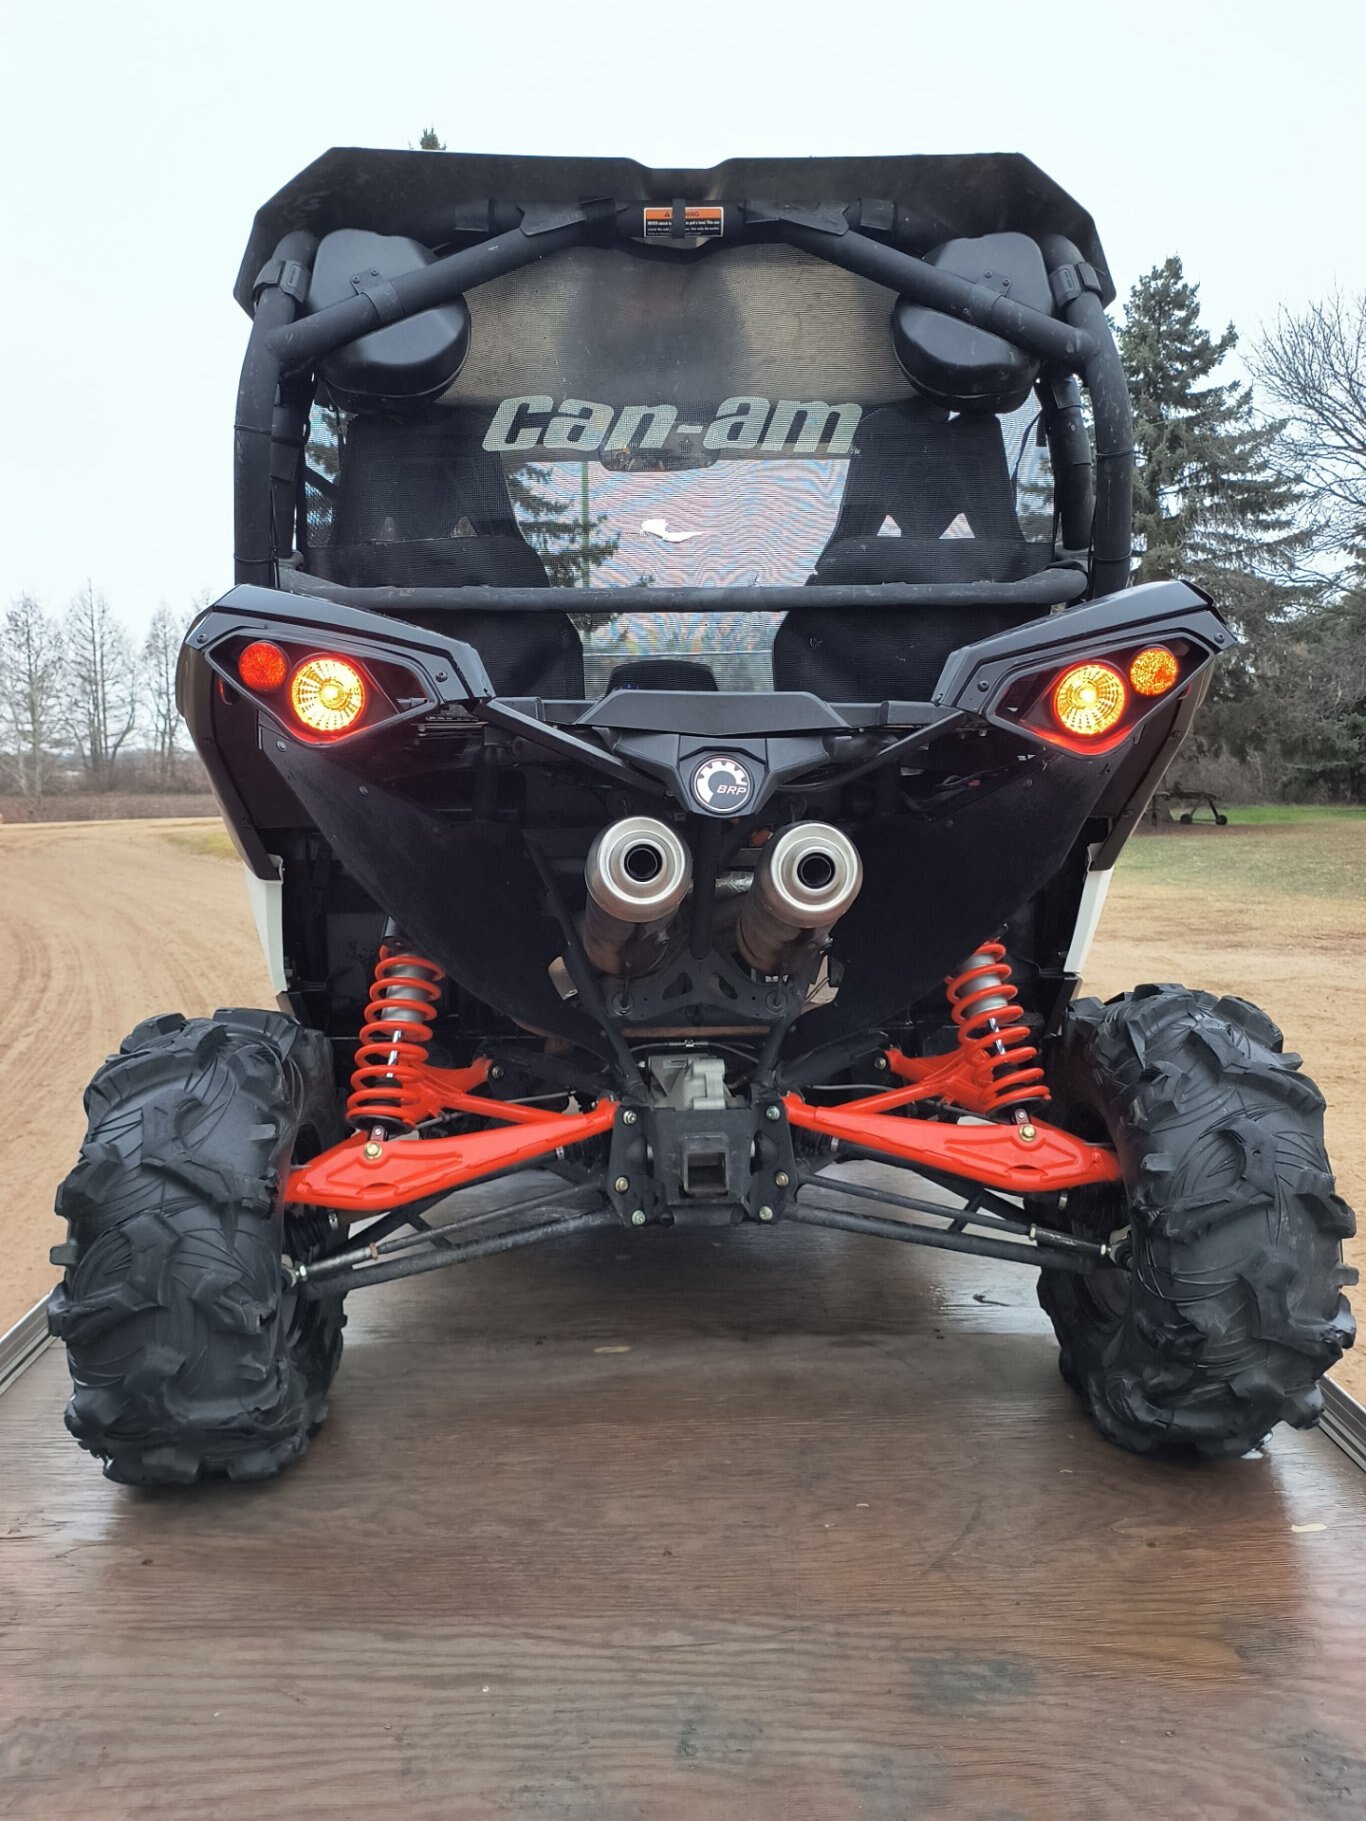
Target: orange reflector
pixel 1088 699
pixel 262 666
pixel 1154 671
pixel 327 694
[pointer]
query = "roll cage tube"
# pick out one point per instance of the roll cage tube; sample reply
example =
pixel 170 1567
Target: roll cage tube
pixel 259 426
pixel 1069 451
pixel 1082 342
pixel 1056 587
pixel 270 424
pixel 1105 380
pixel 298 344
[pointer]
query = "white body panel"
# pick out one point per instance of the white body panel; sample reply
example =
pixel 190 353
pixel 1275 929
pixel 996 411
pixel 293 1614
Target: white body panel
pixel 266 897
pixel 1088 916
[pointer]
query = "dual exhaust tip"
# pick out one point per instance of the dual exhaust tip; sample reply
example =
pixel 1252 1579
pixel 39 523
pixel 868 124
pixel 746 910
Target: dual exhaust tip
pixel 806 879
pixel 639 872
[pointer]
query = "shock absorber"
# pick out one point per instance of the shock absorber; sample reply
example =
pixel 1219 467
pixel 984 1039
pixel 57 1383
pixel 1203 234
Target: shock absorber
pixel 393 1040
pixel 993 1034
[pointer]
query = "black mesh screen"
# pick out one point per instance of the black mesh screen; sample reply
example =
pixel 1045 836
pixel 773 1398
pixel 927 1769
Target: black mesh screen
pixel 929 498
pixel 414 502
pixel 923 497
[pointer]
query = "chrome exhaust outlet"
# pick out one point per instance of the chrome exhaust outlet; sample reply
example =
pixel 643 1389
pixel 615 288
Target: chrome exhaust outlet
pixel 806 879
pixel 638 873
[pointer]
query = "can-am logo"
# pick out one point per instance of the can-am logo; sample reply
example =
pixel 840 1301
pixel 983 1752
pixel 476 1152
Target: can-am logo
pixel 722 785
pixel 800 426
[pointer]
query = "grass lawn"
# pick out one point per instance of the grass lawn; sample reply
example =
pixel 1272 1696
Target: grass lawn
pixel 1256 815
pixel 1265 852
pixel 213 842
pixel 1314 850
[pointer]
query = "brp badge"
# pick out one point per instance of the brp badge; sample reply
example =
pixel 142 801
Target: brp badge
pixel 722 785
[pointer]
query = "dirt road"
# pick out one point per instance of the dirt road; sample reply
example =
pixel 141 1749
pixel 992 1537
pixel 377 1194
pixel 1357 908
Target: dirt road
pixel 104 923
pixel 101 923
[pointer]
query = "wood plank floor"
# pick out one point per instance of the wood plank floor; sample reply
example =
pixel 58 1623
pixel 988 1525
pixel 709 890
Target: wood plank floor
pixel 722 1527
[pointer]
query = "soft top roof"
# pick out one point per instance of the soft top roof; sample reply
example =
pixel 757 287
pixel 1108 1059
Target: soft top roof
pixel 435 197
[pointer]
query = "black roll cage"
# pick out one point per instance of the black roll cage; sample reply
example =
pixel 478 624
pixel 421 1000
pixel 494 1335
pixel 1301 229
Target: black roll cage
pixel 1093 494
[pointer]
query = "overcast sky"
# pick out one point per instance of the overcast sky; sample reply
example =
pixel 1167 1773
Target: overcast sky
pixel 138 139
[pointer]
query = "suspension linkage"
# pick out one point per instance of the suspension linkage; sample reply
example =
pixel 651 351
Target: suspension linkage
pixel 411 1254
pixel 969 1213
pixel 939 1239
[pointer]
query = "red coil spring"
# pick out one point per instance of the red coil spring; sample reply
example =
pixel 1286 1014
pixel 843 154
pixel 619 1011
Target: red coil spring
pixel 393 1040
pixel 992 1031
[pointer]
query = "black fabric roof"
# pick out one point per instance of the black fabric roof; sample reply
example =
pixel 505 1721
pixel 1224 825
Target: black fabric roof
pixel 434 196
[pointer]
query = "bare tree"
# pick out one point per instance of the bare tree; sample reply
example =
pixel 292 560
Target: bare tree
pixel 1314 365
pixel 30 698
pixel 101 685
pixel 160 654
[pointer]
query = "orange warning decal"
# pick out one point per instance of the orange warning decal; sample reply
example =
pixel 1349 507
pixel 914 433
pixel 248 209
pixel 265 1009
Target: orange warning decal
pixel 694 218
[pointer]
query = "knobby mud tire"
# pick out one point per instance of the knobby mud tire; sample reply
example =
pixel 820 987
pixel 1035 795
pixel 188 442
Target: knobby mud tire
pixel 1231 1308
pixel 188 1359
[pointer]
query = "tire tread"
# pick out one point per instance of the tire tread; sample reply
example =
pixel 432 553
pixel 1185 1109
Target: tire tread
pixel 170 1304
pixel 1237 1308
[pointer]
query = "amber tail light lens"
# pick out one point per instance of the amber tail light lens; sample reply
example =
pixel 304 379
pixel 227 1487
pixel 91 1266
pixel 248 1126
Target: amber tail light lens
pixel 1154 671
pixel 327 694
pixel 1089 699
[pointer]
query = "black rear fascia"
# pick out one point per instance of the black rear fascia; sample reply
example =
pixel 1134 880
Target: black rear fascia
pixel 644 739
pixel 452 670
pixel 1155 611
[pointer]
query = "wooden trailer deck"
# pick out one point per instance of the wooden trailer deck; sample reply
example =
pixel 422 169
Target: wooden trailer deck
pixel 715 1526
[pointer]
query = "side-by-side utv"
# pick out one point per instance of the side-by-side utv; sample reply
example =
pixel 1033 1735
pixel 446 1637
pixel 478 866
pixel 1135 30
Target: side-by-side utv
pixel 679 710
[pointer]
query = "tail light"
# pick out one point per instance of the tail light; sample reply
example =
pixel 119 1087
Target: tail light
pixel 327 694
pixel 320 695
pixel 1088 700
pixel 1090 704
pixel 261 665
pixel 1154 671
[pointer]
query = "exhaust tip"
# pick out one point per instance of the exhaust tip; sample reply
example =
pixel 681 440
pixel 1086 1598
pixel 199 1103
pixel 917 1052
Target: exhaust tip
pixel 813 873
pixel 638 870
pixel 806 879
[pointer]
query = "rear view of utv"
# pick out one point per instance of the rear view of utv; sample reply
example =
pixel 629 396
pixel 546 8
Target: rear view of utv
pixel 679 709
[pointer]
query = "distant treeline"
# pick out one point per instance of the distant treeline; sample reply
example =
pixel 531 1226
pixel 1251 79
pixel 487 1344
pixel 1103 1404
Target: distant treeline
pixel 86 708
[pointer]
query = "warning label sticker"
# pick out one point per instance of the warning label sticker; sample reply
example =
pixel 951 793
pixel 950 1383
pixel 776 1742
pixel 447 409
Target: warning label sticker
pixel 663 222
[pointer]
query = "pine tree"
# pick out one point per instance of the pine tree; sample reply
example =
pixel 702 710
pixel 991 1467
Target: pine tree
pixel 570 543
pixel 1208 503
pixel 1211 506
pixel 430 141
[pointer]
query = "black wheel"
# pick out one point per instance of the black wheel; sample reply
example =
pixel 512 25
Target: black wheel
pixel 1187 819
pixel 1225 1306
pixel 1220 819
pixel 188 1359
